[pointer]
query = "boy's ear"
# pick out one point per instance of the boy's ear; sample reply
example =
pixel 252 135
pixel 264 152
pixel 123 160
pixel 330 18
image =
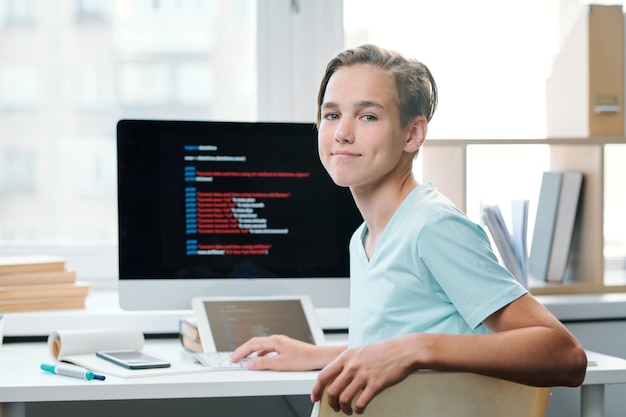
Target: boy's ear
pixel 416 135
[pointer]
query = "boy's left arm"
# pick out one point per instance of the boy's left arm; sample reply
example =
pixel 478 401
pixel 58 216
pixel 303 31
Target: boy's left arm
pixel 528 345
pixel 534 347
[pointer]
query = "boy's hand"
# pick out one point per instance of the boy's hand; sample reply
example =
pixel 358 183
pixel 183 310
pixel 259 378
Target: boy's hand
pixel 367 370
pixel 281 353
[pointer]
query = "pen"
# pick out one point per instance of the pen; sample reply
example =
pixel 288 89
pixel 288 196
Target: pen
pixel 71 370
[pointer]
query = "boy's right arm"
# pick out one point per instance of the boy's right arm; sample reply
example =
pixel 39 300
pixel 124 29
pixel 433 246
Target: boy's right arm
pixel 282 353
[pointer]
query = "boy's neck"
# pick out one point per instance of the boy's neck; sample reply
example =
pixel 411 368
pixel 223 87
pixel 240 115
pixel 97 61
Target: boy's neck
pixel 378 206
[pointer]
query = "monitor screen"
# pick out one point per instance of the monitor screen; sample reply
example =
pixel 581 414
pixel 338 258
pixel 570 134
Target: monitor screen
pixel 228 208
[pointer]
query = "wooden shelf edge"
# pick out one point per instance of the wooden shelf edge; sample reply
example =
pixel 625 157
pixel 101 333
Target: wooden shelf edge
pixel 559 289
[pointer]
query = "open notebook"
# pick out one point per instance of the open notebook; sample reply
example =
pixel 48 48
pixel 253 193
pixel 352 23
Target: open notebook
pixel 79 347
pixel 224 323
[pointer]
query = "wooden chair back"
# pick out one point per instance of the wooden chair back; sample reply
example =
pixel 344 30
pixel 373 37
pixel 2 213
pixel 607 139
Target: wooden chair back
pixel 452 394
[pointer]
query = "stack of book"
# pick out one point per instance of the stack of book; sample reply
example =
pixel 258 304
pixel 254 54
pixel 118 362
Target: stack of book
pixel 189 335
pixel 39 282
pixel 553 234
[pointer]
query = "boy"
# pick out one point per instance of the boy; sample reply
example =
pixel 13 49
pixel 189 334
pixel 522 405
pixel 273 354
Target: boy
pixel 427 292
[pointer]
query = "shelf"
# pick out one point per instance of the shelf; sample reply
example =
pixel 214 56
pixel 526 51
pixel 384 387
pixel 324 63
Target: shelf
pixel 583 154
pixel 558 289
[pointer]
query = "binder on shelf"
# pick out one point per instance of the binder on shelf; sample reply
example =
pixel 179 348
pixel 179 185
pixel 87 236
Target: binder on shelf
pixel 543 232
pixel 554 225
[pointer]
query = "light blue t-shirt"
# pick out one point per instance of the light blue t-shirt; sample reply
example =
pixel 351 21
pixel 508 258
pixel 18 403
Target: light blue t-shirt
pixel 432 271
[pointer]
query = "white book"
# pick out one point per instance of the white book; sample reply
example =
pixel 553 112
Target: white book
pixel 545 220
pixel 519 235
pixel 492 217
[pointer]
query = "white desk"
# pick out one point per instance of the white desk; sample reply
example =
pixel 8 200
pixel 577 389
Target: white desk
pixel 603 370
pixel 21 381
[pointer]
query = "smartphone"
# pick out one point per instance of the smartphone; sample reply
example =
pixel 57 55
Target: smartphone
pixel 132 359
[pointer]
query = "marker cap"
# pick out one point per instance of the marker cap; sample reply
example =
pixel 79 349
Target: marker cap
pixel 47 367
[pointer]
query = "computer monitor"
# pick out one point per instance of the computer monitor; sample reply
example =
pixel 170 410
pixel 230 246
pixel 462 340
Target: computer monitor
pixel 227 209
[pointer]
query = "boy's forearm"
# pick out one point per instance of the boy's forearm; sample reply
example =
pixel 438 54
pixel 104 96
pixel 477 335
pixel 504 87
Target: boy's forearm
pixel 534 356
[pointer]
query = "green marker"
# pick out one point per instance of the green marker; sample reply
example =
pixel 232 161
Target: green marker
pixel 71 370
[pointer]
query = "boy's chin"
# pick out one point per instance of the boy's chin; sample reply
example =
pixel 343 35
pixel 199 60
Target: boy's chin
pixel 341 184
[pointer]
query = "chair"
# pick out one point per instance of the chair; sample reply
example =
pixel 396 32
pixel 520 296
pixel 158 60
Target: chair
pixel 452 394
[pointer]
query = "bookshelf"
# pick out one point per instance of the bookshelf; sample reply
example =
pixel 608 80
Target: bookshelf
pixel 587 261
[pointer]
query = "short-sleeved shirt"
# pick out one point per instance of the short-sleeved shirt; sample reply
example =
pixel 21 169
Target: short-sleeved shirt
pixel 432 271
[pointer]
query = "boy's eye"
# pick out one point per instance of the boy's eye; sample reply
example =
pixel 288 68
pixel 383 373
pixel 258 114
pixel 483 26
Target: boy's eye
pixel 369 118
pixel 331 116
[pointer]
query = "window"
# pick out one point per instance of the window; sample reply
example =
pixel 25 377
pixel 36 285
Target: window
pixel 20 12
pixel 88 64
pixel 94 88
pixel 150 59
pixel 91 10
pixel 18 172
pixel 19 84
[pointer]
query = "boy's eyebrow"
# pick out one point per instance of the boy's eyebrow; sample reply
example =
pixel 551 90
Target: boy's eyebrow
pixel 362 104
pixel 329 105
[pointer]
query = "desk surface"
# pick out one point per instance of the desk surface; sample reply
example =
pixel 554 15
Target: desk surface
pixel 605 369
pixel 21 380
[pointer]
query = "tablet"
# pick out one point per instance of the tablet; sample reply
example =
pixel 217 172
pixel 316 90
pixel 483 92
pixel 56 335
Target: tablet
pixel 224 323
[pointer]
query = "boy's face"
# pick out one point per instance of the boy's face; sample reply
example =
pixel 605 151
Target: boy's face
pixel 360 140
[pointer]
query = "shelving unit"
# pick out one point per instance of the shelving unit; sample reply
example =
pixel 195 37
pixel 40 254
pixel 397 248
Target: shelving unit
pixel 445 164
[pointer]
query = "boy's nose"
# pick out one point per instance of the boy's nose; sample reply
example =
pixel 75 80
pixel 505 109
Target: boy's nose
pixel 344 133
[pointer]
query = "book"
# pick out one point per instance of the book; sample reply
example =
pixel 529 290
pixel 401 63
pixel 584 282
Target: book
pixel 31 263
pixel 189 334
pixel 63 276
pixel 188 326
pixel 190 344
pixel 493 219
pixel 571 184
pixel 557 207
pixel 38 304
pixel 519 235
pixel 545 219
pixel 44 291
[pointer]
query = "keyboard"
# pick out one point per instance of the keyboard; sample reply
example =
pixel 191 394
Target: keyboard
pixel 219 361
